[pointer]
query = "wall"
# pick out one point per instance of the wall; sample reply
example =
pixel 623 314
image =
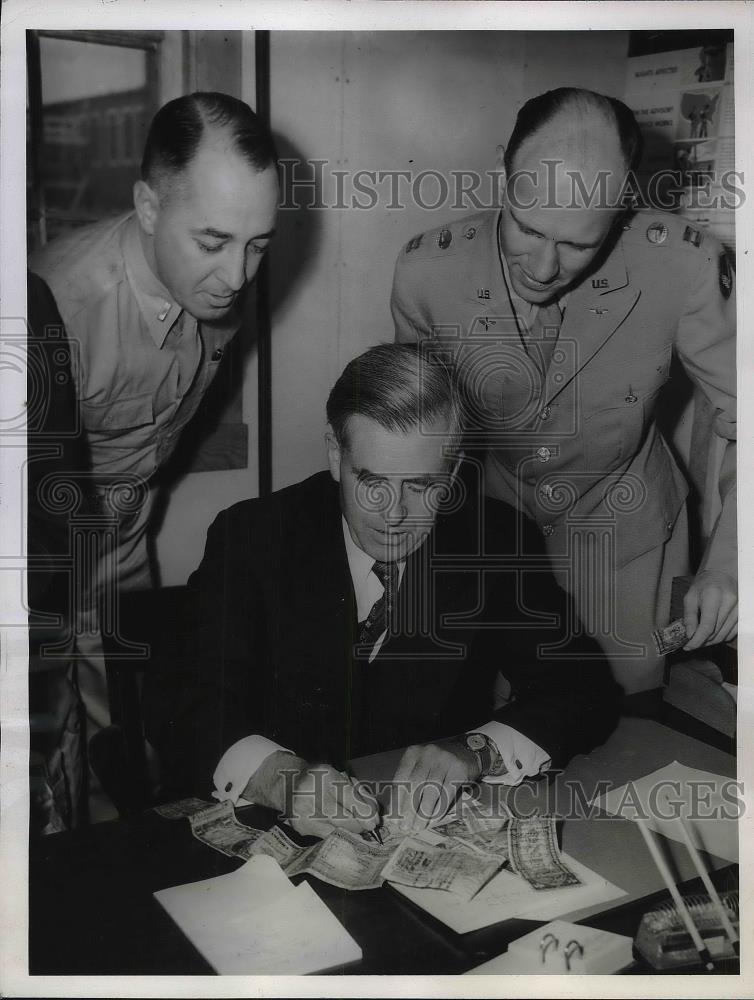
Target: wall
pixel 371 101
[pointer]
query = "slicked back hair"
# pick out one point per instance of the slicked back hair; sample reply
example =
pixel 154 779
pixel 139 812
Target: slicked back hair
pixel 400 387
pixel 179 126
pixel 566 101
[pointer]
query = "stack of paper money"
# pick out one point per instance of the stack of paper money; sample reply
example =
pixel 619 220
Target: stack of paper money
pixel 460 855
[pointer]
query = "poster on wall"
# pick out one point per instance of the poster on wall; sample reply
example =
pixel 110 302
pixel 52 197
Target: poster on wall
pixel 683 101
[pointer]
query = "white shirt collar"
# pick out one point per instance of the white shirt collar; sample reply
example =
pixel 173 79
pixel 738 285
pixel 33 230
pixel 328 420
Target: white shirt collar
pixel 367 587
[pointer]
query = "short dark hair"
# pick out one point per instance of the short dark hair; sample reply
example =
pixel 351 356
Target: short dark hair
pixel 399 386
pixel 179 127
pixel 541 110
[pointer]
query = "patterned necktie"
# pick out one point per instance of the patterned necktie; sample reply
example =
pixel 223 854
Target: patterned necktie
pixel 378 618
pixel 543 335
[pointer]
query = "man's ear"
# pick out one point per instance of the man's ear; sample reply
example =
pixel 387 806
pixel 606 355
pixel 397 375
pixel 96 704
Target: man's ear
pixel 500 175
pixel 147 205
pixel 333 453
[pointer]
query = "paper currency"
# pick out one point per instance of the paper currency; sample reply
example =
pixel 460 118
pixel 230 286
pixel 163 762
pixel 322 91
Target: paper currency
pixel 279 846
pixel 181 808
pixel 534 853
pixel 670 638
pixel 218 827
pixel 426 866
pixel 343 859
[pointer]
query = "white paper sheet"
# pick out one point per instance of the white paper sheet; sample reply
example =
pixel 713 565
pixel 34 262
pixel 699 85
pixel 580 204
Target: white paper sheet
pixel 709 806
pixel 509 895
pixel 254 921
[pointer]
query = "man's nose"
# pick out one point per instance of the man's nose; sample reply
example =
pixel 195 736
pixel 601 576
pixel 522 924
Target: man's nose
pixel 395 510
pixel 544 264
pixel 232 271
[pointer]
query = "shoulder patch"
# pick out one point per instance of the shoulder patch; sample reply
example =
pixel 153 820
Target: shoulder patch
pixel 725 275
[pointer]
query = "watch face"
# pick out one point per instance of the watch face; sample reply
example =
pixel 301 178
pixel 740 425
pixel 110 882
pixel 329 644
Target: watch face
pixel 476 741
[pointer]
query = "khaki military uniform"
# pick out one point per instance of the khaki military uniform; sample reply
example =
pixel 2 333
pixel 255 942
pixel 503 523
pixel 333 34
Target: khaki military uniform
pixel 577 447
pixel 141 365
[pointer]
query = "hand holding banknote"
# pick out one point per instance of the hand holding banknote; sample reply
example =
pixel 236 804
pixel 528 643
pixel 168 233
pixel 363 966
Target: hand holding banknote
pixel 315 799
pixel 428 780
pixel 710 609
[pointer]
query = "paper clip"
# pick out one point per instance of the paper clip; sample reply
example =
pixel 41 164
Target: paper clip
pixel 545 943
pixel 569 952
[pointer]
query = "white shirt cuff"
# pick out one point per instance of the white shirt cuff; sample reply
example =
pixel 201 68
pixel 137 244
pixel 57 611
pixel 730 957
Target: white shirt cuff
pixel 238 764
pixel 537 761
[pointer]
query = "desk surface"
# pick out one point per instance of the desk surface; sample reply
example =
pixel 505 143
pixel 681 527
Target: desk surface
pixel 91 909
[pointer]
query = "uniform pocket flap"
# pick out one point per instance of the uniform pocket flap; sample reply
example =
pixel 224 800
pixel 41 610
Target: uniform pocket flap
pixel 119 414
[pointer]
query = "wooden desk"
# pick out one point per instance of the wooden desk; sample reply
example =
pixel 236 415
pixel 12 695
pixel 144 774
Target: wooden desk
pixel 91 908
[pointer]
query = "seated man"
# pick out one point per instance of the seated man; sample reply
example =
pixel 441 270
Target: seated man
pixel 370 608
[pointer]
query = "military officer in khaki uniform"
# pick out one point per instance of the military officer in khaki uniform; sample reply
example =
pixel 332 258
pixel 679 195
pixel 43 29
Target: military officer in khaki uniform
pixel 564 312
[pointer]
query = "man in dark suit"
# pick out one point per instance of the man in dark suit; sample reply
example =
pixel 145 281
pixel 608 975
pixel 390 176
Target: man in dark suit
pixel 370 608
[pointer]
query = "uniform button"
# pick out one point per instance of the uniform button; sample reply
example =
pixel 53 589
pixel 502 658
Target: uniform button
pixel 669 525
pixel 545 414
pixel 544 454
pixel 547 529
pixel 546 491
pixel 631 398
pixel 217 354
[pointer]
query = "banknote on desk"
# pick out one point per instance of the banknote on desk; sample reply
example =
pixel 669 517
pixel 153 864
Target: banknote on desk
pixel 459 857
pixel 534 853
pixel 441 864
pixel 343 858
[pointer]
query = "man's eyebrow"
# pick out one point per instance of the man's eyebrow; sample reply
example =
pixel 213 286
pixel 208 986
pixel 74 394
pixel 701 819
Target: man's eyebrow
pixel 534 232
pixel 218 234
pixel 522 225
pixel 210 231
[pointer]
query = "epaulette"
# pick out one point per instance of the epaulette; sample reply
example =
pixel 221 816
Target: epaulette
pixel 661 229
pixel 444 241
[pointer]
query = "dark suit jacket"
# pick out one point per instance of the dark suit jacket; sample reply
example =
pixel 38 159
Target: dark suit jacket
pixel 275 627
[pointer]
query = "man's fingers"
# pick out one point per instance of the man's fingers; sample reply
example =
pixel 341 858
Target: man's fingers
pixel 729 629
pixel 407 763
pixel 325 798
pixel 707 620
pixel 707 607
pixel 312 827
pixel 691 612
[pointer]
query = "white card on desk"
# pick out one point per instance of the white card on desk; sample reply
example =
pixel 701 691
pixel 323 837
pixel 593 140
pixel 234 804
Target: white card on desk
pixel 709 805
pixel 589 952
pixel 509 895
pixel 254 921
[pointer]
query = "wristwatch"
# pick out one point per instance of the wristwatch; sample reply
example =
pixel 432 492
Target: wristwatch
pixel 487 754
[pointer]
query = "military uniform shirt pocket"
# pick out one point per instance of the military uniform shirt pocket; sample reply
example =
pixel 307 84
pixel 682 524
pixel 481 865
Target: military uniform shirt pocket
pixel 119 414
pixel 618 404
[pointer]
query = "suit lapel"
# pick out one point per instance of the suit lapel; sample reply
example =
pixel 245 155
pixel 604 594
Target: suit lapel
pixel 595 311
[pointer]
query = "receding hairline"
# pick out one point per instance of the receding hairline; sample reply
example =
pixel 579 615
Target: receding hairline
pixel 580 141
pixel 170 182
